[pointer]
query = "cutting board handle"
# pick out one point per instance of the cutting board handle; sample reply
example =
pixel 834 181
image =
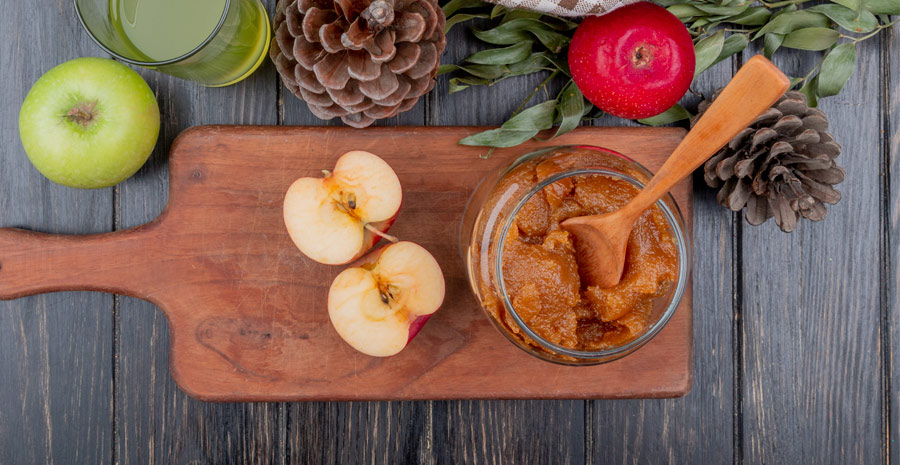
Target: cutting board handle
pixel 32 263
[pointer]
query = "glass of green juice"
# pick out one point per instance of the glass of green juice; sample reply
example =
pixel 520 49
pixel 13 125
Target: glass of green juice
pixel 212 42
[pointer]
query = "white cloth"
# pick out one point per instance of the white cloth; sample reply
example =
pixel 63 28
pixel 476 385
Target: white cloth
pixel 570 8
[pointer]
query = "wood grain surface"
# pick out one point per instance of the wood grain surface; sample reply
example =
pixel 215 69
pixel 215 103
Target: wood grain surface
pixel 49 415
pixel 55 368
pixel 890 243
pixel 247 311
pixel 811 305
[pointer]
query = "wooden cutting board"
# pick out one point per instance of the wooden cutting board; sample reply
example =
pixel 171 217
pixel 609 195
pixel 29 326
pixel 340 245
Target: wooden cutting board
pixel 247 312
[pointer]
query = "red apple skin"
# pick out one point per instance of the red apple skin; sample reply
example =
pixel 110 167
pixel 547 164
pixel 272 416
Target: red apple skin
pixel 416 326
pixel 370 239
pixel 634 62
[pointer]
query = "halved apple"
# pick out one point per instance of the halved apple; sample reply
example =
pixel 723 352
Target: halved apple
pixel 380 305
pixel 336 219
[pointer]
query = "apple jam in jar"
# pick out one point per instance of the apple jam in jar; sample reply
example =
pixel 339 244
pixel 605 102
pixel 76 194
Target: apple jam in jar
pixel 523 269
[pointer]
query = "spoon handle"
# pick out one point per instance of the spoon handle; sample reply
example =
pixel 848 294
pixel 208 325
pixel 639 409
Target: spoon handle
pixel 755 87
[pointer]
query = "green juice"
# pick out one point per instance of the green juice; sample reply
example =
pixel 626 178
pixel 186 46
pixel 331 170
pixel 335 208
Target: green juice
pixel 166 29
pixel 155 31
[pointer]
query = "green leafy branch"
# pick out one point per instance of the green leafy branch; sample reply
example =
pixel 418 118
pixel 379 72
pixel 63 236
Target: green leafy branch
pixel 835 27
pixel 524 43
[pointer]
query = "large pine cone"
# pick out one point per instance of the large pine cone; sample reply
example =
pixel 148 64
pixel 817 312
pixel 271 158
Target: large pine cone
pixel 359 60
pixel 782 165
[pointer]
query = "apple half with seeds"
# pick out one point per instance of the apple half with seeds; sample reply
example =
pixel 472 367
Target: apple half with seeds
pixel 336 219
pixel 381 304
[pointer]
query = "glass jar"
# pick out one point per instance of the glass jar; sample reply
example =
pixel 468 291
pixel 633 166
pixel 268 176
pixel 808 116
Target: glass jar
pixel 486 229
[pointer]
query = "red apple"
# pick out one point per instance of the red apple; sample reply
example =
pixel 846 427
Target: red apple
pixel 634 62
pixel 381 304
pixel 336 219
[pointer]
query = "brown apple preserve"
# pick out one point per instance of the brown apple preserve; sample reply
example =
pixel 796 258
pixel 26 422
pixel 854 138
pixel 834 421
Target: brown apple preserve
pixel 523 266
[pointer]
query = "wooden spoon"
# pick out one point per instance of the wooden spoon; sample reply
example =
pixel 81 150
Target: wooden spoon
pixel 600 240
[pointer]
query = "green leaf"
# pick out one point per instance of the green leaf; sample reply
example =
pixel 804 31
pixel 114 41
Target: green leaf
pixel 570 109
pixel 456 86
pixel 668 3
pixel 792 21
pixel 882 7
pixel 864 21
pixel 534 63
pixel 854 5
pixel 553 40
pixel 676 113
pixel 771 43
pixel 684 12
pixel 454 5
pixel 463 83
pixel 459 18
pixel 510 33
pixel 513 15
pixel 502 56
pixel 700 23
pixel 588 107
pixel 707 50
pixel 809 90
pixel 535 118
pixel 756 16
pixel 734 43
pixel 559 24
pixel 517 30
pixel 721 10
pixel 561 64
pixel 718 18
pixel 517 129
pixel 836 69
pixel 811 38
pixel 485 71
pixel 481 71
pixel 498 138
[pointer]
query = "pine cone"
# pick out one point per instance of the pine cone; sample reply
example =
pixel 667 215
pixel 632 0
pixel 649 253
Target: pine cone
pixel 360 60
pixel 782 165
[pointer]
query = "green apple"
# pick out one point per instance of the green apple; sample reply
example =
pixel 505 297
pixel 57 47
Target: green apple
pixel 89 123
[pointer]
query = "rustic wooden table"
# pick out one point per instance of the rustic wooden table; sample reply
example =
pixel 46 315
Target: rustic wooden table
pixel 795 334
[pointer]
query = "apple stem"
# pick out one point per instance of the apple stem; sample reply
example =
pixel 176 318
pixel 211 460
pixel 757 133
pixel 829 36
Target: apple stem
pixel 642 56
pixel 375 231
pixel 82 113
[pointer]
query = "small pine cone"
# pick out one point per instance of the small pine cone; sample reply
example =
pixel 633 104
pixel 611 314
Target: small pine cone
pixel 782 165
pixel 360 60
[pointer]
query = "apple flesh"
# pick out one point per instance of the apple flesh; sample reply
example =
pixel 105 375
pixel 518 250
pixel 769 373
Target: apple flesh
pixel 380 305
pixel 89 123
pixel 634 62
pixel 336 219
